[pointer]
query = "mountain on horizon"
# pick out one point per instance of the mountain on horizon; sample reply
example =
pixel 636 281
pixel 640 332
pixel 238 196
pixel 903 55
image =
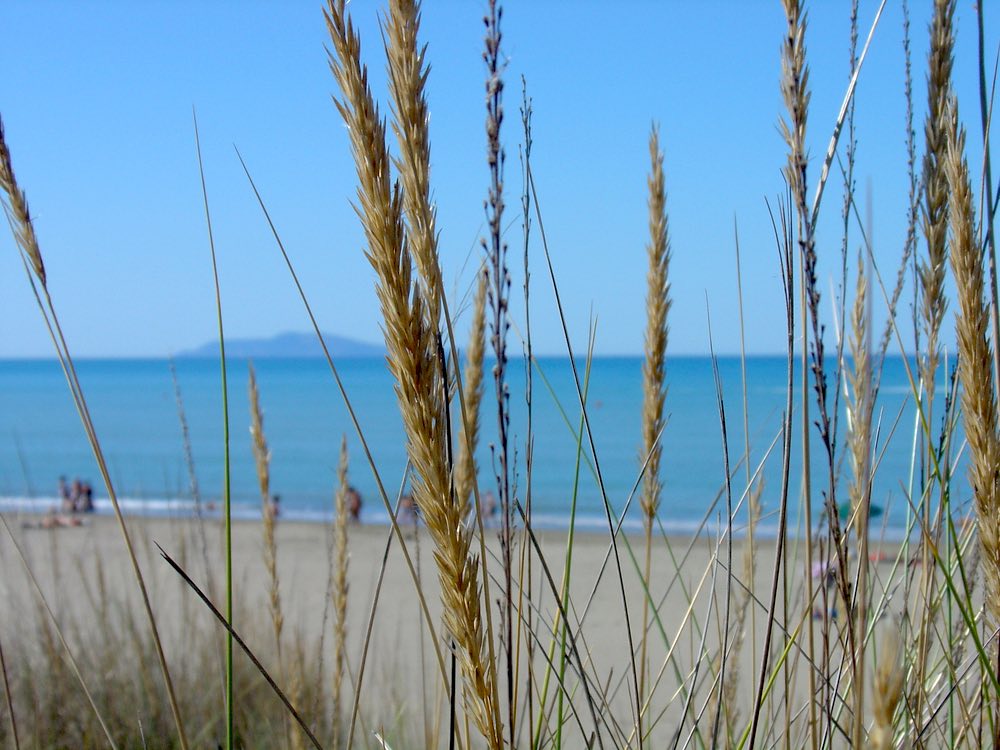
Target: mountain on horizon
pixel 288 345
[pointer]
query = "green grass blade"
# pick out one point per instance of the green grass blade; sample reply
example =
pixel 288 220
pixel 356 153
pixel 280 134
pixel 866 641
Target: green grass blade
pixel 226 495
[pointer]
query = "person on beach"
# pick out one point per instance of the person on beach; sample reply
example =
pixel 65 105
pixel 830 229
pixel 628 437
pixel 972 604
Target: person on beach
pixel 353 504
pixel 53 520
pixel 274 507
pixel 75 494
pixel 825 571
pixel 65 502
pixel 407 512
pixel 85 503
pixel 59 521
pixel 487 505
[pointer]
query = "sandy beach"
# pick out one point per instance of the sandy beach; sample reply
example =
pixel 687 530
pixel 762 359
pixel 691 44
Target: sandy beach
pixel 80 568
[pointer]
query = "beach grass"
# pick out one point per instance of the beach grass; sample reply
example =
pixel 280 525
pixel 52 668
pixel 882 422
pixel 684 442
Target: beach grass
pixel 465 630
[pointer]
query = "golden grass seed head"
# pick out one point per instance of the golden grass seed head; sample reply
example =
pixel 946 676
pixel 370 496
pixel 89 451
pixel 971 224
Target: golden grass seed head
pixel 411 346
pixel 975 370
pixel 658 304
pixel 18 213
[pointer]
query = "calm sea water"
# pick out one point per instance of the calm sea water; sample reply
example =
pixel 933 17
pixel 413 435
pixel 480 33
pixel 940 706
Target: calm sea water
pixel 135 413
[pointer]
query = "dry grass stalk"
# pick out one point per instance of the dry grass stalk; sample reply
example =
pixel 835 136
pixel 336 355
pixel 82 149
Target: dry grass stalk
pixel 657 307
pixel 412 359
pixel 194 486
pixel 749 571
pixel 407 79
pixel 859 439
pixel 262 459
pixel 340 587
pixel 887 687
pixel 525 600
pixel 975 370
pixel 938 133
pixel 727 700
pixel 935 205
pixel 862 403
pixel 472 381
pixel 19 218
pixel 795 92
pixel 654 388
pixel 498 297
pixel 796 96
pixel 21 223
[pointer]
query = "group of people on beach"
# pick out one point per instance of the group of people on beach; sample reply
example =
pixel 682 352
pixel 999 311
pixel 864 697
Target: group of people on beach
pixel 77 497
pixel 74 499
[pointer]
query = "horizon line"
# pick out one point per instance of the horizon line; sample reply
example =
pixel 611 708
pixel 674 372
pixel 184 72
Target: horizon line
pixel 379 355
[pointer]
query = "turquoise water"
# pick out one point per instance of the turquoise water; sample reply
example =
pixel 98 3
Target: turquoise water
pixel 135 413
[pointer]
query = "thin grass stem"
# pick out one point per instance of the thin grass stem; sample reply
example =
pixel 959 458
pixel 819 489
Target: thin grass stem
pixel 227 510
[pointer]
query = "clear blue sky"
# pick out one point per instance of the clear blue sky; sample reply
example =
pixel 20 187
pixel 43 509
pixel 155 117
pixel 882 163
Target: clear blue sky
pixel 97 96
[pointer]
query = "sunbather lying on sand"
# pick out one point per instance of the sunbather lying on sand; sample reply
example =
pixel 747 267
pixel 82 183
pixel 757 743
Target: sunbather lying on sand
pixel 53 521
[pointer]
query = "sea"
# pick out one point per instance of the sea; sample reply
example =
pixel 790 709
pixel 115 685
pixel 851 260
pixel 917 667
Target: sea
pixel 710 410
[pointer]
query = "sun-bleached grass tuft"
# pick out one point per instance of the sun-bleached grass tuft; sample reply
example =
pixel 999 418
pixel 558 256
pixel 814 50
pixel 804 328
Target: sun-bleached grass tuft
pixel 291 675
pixel 262 461
pixel 975 370
pixel 407 79
pixel 17 212
pixel 795 92
pixel 859 438
pixel 938 133
pixel 414 362
pixel 658 303
pixel 654 388
pixel 861 403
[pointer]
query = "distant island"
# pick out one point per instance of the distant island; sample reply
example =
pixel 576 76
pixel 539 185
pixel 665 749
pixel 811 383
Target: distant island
pixel 288 345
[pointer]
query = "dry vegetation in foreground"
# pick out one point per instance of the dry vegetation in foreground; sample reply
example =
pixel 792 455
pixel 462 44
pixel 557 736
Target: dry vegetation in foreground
pixel 710 642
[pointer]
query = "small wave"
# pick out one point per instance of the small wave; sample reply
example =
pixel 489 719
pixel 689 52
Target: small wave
pixel 594 523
